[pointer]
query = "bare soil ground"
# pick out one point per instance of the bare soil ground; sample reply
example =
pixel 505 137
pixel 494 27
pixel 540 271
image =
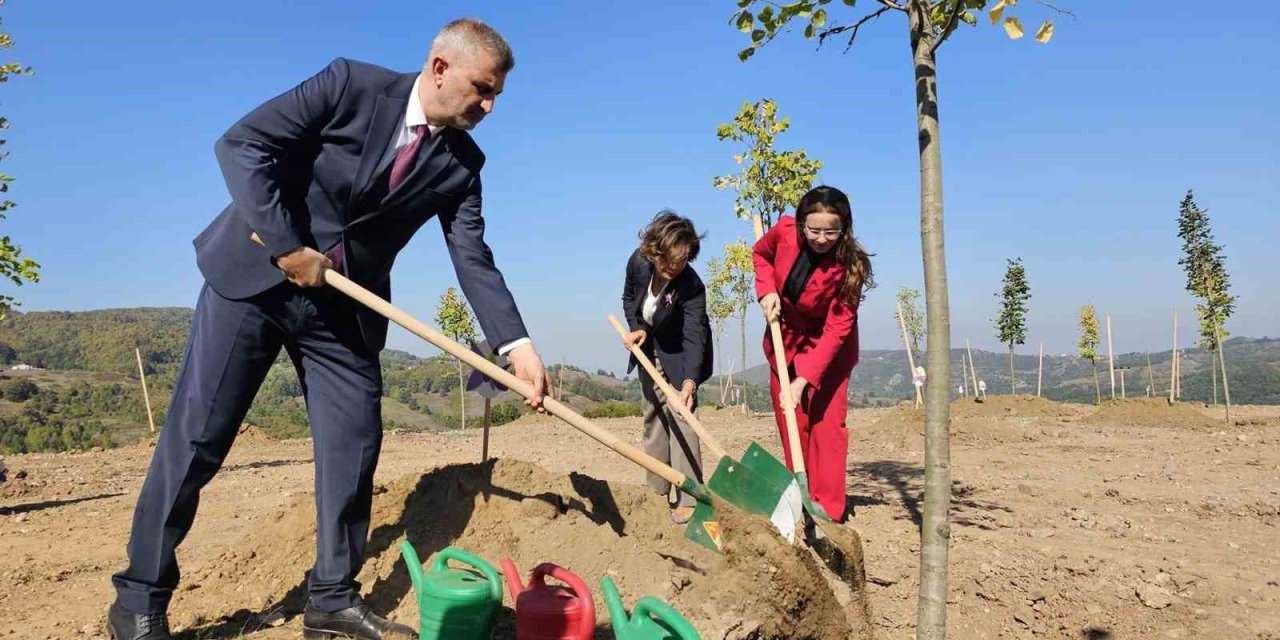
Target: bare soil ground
pixel 1066 523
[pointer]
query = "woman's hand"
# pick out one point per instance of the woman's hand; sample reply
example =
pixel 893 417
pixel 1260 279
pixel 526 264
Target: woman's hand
pixel 771 306
pixel 797 391
pixel 634 339
pixel 688 393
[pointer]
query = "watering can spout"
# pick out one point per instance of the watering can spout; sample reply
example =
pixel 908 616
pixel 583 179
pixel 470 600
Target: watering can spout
pixel 613 600
pixel 414 565
pixel 512 577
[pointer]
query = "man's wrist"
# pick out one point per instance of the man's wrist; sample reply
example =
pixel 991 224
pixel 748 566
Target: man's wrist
pixel 508 347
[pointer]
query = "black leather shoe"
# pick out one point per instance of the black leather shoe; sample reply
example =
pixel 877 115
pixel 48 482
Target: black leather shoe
pixel 123 624
pixel 353 622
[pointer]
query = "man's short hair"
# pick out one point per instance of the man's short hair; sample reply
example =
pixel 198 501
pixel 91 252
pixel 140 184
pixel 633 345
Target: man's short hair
pixel 469 36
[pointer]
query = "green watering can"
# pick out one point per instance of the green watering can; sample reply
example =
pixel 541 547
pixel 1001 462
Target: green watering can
pixel 454 604
pixel 652 619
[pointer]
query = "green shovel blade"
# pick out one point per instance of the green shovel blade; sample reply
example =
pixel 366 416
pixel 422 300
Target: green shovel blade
pixel 744 488
pixel 704 527
pixel 757 459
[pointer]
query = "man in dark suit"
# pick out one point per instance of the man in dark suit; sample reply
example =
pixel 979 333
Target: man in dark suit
pixel 337 173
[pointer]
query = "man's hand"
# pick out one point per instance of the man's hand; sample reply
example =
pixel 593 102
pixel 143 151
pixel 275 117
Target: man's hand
pixel 688 393
pixel 634 339
pixel 797 391
pixel 304 266
pixel 527 365
pixel 772 306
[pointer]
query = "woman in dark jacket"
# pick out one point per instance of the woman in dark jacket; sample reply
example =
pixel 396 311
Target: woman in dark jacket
pixel 665 304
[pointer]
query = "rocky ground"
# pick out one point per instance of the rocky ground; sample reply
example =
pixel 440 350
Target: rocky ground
pixel 1067 523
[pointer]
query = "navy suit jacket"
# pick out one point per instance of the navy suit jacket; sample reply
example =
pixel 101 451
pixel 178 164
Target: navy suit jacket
pixel 680 335
pixel 301 172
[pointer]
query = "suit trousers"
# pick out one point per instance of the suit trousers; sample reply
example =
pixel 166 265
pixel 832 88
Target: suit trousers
pixel 669 439
pixel 230 349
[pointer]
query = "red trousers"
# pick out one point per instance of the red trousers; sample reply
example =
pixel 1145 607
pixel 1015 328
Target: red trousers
pixel 824 440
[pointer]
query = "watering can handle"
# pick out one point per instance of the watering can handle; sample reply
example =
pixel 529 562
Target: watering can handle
pixel 651 606
pixel 579 588
pixel 414 564
pixel 453 553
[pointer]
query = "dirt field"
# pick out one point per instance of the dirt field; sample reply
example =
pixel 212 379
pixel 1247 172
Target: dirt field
pixel 1067 523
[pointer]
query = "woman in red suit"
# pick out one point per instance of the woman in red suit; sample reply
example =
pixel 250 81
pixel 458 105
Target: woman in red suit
pixel 811 271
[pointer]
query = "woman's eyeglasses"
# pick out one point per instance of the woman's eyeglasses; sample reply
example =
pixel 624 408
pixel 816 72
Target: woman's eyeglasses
pixel 830 234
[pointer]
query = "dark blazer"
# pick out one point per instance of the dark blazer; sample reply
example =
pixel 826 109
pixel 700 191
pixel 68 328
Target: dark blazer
pixel 680 335
pixel 820 329
pixel 301 172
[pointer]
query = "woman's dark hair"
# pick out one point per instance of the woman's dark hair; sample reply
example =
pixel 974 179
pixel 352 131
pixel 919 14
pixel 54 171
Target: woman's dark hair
pixel 849 252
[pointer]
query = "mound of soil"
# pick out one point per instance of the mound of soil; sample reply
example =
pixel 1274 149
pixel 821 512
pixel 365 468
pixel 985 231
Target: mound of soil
pixel 1153 413
pixel 1010 407
pixel 761 587
pixel 1000 417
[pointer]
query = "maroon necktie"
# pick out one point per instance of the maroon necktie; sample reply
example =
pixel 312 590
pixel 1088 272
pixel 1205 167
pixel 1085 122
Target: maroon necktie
pixel 400 168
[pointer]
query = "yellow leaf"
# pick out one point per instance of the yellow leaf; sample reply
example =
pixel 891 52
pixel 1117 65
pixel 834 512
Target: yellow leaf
pixel 1045 32
pixel 997 13
pixel 1013 28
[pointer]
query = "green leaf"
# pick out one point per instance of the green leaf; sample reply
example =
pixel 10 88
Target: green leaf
pixel 745 54
pixel 819 18
pixel 757 35
pixel 850 3
pixel 744 22
pixel 969 19
pixel 809 32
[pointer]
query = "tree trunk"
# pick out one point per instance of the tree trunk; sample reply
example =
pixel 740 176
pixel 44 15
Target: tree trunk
pixel 462 398
pixel 1213 373
pixel 1097 387
pixel 1013 381
pixel 746 402
pixel 720 357
pixel 935 530
pixel 1222 359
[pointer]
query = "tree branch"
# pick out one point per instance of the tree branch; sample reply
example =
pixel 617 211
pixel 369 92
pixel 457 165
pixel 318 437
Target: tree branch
pixel 1059 10
pixel 949 27
pixel 891 4
pixel 851 27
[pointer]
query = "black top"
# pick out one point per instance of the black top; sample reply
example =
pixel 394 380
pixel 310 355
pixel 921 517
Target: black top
pixel 806 263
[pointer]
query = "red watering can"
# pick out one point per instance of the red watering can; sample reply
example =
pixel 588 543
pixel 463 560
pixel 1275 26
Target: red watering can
pixel 551 612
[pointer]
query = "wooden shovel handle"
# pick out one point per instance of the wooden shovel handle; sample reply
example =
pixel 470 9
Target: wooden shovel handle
pixel 673 396
pixel 784 380
pixel 555 407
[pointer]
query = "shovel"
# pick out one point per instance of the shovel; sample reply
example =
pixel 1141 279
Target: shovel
pixel 704 530
pixel 760 484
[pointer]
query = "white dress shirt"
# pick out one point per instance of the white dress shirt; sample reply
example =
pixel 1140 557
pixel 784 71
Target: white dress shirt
pixel 415 116
pixel 650 305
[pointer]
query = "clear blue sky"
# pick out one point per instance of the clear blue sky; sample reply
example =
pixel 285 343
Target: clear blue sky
pixel 1072 155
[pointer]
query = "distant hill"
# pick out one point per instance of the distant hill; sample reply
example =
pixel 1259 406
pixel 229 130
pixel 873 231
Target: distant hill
pixel 1252 363
pixel 87 390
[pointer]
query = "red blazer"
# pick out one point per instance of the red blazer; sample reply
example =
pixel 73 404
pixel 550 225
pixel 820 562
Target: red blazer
pixel 820 330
